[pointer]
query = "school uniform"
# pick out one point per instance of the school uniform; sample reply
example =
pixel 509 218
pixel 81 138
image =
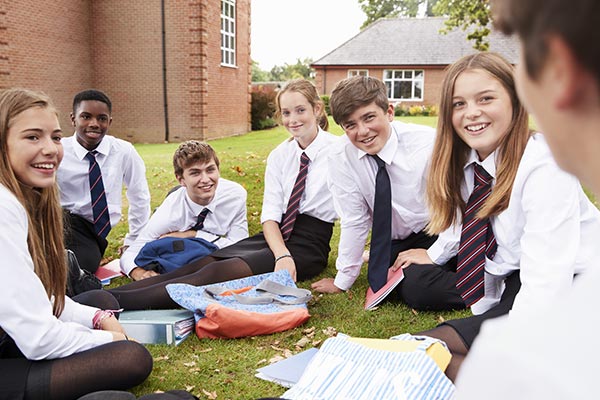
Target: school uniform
pixel 120 164
pixel 26 316
pixel 351 179
pixel 224 224
pixel 547 235
pixel 309 241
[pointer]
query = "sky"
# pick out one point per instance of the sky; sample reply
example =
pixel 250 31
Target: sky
pixel 286 30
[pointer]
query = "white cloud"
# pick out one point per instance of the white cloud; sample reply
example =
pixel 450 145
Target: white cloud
pixel 286 30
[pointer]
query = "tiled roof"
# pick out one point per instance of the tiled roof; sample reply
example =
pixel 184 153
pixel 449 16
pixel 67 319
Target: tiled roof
pixel 412 41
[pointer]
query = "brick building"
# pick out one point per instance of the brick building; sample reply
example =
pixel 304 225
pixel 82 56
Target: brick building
pixel 174 70
pixel 409 54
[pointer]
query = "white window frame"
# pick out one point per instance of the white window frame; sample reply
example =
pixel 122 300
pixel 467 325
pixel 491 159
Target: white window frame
pixel 405 75
pixel 228 28
pixel 355 72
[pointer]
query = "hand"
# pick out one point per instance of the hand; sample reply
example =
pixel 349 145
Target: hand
pixel 137 274
pixel 409 257
pixel 122 249
pixel 288 264
pixel 365 256
pixel 181 235
pixel 325 285
pixel 111 324
pixel 118 336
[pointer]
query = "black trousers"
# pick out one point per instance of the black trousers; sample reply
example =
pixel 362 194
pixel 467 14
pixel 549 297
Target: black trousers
pixel 81 238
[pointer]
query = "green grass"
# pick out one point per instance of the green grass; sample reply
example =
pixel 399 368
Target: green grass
pixel 226 367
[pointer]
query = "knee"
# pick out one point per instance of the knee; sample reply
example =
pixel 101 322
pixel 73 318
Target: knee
pixel 141 362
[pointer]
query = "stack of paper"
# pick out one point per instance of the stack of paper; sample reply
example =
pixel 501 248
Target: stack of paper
pixel 373 299
pixel 288 371
pixel 158 326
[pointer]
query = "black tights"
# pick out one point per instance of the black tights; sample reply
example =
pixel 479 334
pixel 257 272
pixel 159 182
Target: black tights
pixel 150 293
pixel 115 365
pixel 455 344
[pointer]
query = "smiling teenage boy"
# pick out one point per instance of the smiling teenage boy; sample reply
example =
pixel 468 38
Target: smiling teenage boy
pixel 206 206
pixel 360 106
pixel 91 178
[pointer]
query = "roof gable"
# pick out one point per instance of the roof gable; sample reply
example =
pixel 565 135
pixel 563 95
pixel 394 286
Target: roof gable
pixel 412 41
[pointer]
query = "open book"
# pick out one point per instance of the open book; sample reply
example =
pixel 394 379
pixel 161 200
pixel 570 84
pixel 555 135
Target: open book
pixel 373 299
pixel 158 326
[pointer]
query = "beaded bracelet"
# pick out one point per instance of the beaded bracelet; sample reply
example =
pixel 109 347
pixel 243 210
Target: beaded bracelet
pixel 101 315
pixel 283 256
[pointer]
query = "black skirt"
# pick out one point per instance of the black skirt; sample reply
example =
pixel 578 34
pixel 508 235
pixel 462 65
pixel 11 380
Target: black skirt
pixel 308 244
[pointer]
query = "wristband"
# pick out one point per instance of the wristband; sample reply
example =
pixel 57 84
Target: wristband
pixel 101 315
pixel 283 256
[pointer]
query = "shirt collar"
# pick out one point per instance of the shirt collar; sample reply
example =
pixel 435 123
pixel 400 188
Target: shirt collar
pixel 197 208
pixel 489 164
pixel 313 148
pixel 80 151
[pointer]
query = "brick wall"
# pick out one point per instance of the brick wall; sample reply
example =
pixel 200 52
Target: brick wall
pixel 116 46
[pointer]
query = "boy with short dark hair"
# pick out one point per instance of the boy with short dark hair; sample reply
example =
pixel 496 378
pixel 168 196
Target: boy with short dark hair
pixel 552 353
pixel 207 206
pixel 376 149
pixel 91 178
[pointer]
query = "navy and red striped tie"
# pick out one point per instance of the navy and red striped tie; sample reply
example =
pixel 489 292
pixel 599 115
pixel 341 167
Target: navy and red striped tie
pixel 200 221
pixel 99 204
pixel 476 241
pixel 293 207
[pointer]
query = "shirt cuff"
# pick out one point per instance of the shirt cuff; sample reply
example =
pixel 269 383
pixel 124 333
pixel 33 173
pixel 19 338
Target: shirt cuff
pixel 343 281
pixel 209 237
pixel 436 253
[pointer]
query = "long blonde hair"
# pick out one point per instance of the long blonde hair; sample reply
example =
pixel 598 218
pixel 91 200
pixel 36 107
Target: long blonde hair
pixel 309 91
pixel 450 152
pixel 45 219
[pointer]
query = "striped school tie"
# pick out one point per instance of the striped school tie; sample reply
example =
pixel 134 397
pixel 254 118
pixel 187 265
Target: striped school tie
pixel 381 235
pixel 476 241
pixel 200 222
pixel 98 195
pixel 287 222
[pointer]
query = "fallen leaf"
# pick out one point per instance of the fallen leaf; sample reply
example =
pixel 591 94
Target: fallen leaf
pixel 276 358
pixel 190 364
pixel 264 360
pixel 303 342
pixel 414 311
pixel 209 395
pixel 161 358
pixel 441 319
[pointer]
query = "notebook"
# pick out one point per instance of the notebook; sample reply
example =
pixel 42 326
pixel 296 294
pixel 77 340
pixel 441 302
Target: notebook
pixel 393 279
pixel 158 326
pixel 109 271
pixel 287 371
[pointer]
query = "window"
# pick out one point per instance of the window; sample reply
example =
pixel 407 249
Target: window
pixel 358 72
pixel 228 32
pixel 404 84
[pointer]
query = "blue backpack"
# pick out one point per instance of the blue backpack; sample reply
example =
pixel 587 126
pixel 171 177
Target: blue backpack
pixel 169 253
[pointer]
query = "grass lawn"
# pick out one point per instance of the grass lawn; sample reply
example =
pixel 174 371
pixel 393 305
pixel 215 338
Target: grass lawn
pixel 224 369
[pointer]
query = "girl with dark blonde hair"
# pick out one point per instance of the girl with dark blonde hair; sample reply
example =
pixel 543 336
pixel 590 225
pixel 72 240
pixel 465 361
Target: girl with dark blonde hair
pixel 51 347
pixel 514 229
pixel 297 212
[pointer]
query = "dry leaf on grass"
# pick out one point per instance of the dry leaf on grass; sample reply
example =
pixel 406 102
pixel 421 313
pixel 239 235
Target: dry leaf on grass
pixel 330 331
pixel 190 364
pixel 161 358
pixel 302 342
pixel 209 395
pixel 441 319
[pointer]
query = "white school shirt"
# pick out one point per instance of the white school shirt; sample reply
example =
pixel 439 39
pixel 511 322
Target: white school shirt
pixel 25 310
pixel 351 179
pixel 224 225
pixel 550 231
pixel 282 169
pixel 120 164
pixel 550 354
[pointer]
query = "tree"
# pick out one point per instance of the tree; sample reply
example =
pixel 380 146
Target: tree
pixel 469 15
pixel 473 15
pixel 259 75
pixel 377 9
pixel 286 72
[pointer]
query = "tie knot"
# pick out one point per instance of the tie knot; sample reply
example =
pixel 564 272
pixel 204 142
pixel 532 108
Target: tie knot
pixel 304 160
pixel 379 161
pixel 91 155
pixel 204 212
pixel 481 176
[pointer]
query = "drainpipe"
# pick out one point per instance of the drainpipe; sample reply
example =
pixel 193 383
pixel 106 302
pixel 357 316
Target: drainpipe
pixel 164 68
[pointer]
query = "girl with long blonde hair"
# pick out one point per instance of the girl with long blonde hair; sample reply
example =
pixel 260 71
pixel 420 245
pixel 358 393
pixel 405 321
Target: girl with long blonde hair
pixel 514 229
pixel 51 347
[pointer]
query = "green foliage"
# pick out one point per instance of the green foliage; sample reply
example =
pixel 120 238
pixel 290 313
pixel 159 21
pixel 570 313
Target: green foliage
pixel 415 111
pixel 377 9
pixel 258 75
pixel 325 99
pixel 287 72
pixel 263 109
pixel 472 15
